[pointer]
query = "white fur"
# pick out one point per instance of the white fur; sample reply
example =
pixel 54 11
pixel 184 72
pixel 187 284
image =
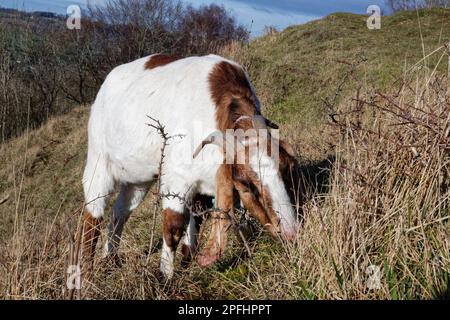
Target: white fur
pixel 166 263
pixel 123 148
pixel 267 173
pixel 190 238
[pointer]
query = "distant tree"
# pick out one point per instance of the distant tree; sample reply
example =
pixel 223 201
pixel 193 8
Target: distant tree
pixel 47 69
pixel 208 27
pixel 401 5
pixel 128 29
pixel 437 3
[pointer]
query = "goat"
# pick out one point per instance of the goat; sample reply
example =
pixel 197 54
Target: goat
pixel 208 92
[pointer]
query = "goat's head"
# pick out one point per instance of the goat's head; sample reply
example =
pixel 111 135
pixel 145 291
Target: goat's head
pixel 264 173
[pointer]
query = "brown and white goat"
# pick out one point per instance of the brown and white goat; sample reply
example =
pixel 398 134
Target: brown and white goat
pixel 192 98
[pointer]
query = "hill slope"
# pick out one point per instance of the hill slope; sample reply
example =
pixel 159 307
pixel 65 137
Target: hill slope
pixel 294 72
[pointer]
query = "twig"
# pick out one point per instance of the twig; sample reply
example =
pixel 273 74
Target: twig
pixel 160 129
pixel 4 199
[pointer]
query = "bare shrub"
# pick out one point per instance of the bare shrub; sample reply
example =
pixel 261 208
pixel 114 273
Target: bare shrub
pixel 48 69
pixel 208 28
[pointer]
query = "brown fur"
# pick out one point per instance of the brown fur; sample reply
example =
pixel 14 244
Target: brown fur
pixel 173 227
pixel 255 197
pixel 90 235
pixel 233 97
pixel 231 93
pixel 160 60
pixel 221 220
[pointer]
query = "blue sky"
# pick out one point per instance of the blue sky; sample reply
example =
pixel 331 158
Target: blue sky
pixel 254 14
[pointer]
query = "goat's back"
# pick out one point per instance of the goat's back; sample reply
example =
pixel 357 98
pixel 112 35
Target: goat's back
pixel 176 94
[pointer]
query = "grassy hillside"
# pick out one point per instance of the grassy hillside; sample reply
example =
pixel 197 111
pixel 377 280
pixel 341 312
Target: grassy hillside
pixel 295 70
pixel 384 206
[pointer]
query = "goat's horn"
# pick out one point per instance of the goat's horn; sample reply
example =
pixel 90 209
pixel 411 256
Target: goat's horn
pixel 220 140
pixel 213 138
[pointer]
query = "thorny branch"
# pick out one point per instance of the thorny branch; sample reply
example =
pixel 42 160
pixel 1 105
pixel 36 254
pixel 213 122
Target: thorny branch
pixel 407 114
pixel 160 129
pixel 330 102
pixel 425 122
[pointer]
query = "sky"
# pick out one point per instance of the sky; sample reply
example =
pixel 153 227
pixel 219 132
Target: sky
pixel 253 14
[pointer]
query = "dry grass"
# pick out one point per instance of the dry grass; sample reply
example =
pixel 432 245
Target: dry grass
pixel 384 210
pixel 387 207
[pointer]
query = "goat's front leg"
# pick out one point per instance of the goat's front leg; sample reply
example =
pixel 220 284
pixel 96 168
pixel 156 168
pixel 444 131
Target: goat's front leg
pixel 189 248
pixel 173 228
pixel 221 219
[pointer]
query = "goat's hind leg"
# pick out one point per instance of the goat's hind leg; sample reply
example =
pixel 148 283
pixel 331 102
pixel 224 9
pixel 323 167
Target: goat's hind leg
pixel 130 197
pixel 98 185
